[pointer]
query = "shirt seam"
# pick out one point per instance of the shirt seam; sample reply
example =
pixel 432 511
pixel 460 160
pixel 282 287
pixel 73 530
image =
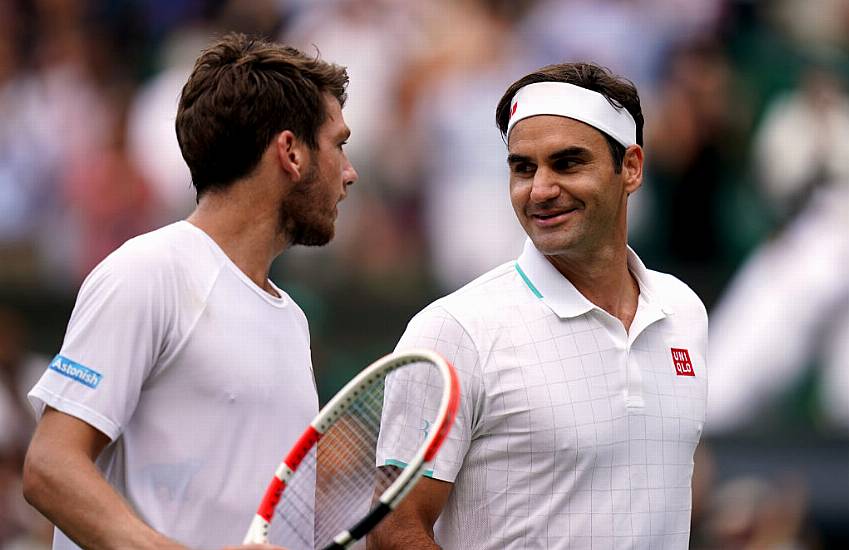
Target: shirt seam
pixel 274 301
pixel 183 341
pixel 480 364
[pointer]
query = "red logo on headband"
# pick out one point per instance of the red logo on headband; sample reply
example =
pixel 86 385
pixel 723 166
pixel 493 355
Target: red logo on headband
pixel 513 110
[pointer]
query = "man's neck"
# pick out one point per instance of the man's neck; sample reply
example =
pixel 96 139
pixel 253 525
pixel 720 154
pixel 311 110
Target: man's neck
pixel 604 279
pixel 246 229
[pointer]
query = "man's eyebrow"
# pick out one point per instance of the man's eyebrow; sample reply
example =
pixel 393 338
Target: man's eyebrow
pixel 569 152
pixel 514 158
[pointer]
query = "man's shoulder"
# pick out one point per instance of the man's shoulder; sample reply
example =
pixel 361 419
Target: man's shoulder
pixel 675 293
pixel 164 243
pixel 173 251
pixel 482 294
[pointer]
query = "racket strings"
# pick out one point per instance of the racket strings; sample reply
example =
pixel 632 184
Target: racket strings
pixel 338 481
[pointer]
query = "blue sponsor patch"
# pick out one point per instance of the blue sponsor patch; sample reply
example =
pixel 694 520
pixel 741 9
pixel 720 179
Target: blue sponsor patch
pixel 75 371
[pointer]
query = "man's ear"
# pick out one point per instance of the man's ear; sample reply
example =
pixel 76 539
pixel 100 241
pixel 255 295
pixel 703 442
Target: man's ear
pixel 292 154
pixel 632 168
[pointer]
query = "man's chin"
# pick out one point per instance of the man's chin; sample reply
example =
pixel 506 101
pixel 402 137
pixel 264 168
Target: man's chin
pixel 551 245
pixel 314 238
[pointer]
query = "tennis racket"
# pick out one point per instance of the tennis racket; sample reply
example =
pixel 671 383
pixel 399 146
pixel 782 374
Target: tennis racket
pixel 329 491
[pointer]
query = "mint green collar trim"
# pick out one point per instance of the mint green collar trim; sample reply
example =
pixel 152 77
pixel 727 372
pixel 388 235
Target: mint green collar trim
pixel 399 464
pixel 528 282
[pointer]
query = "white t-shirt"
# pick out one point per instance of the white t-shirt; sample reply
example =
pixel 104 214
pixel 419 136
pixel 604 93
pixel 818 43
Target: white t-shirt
pixel 571 432
pixel 200 378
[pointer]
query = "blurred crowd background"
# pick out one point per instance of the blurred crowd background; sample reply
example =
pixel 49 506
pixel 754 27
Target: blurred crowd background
pixel 746 198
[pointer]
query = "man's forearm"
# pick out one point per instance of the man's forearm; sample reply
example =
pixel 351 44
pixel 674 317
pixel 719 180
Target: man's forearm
pixel 398 532
pixel 411 524
pixel 71 492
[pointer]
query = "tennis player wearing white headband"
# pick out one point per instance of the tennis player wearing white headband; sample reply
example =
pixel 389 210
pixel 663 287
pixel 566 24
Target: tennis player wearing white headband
pixel 583 372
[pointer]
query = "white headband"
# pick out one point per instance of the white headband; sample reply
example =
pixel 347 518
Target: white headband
pixel 561 99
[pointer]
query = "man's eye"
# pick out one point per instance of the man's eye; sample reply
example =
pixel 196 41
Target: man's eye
pixel 565 164
pixel 523 168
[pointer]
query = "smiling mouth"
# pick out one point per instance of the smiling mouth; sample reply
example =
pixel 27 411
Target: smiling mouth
pixel 546 216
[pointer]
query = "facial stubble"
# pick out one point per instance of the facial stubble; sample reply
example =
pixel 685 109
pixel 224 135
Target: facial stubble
pixel 300 215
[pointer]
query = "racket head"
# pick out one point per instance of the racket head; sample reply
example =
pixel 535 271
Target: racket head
pixel 329 491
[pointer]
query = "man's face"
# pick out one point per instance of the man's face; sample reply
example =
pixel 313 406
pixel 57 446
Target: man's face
pixel 563 186
pixel 309 212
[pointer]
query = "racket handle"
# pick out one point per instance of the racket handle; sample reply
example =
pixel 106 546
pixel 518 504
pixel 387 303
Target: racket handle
pixel 257 532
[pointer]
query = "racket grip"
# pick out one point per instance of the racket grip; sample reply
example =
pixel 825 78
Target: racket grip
pixel 257 532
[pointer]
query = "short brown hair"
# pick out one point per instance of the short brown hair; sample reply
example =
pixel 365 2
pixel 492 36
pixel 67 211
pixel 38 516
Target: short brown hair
pixel 619 91
pixel 242 92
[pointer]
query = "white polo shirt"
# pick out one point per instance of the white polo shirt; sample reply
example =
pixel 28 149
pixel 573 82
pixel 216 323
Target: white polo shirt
pixel 571 433
pixel 200 378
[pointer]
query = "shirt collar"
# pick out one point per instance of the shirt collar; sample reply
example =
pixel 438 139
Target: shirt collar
pixel 558 292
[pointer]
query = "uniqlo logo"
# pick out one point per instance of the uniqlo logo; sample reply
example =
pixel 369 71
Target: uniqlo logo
pixel 683 365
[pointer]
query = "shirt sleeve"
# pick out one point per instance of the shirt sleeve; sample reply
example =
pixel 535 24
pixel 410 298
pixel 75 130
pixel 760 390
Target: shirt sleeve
pixel 412 398
pixel 114 337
